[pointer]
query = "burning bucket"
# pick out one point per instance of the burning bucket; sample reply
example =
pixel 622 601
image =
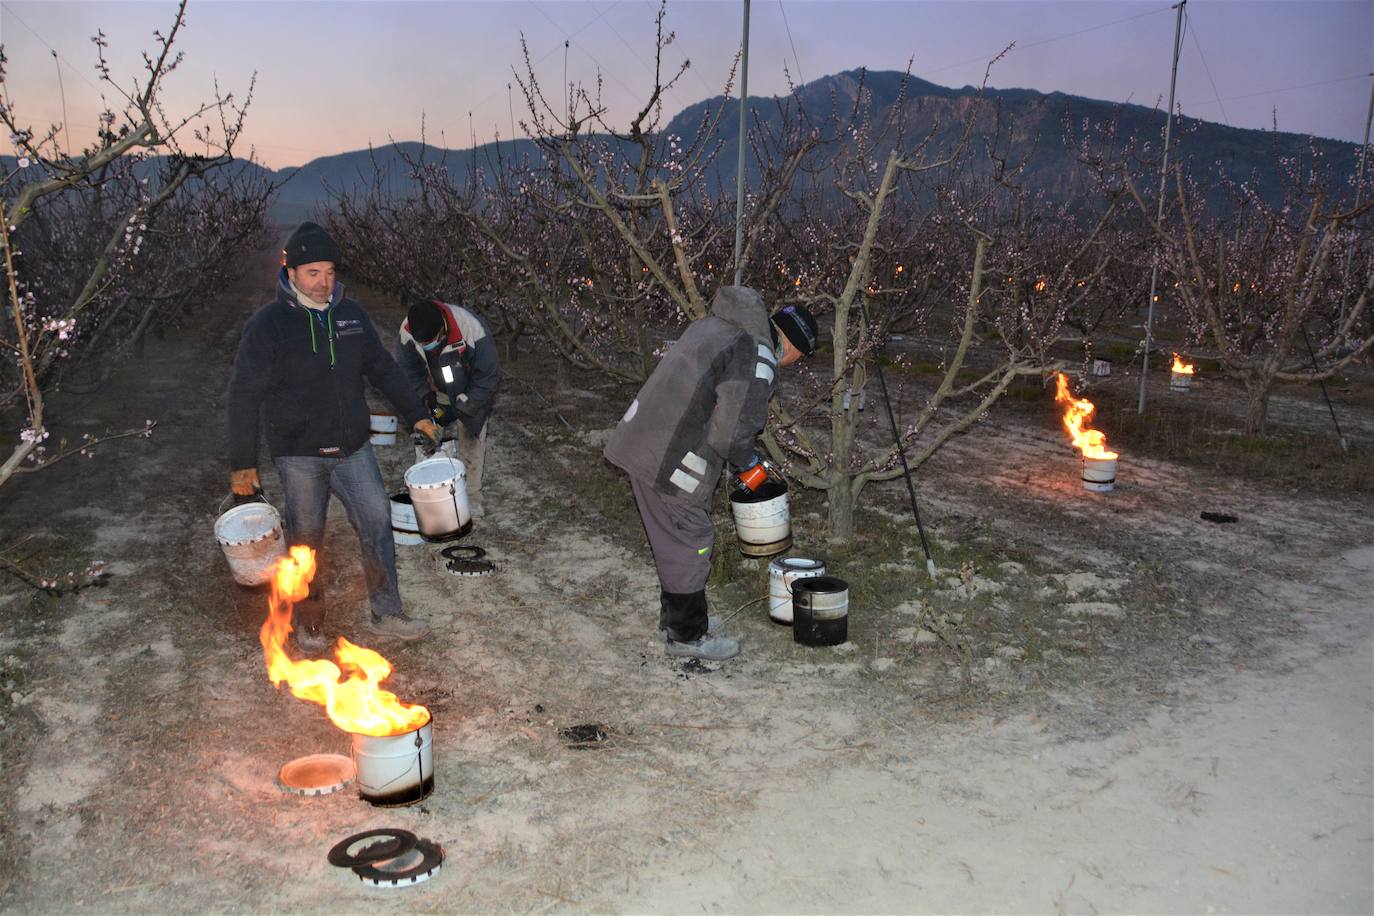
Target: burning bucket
pixel 383 428
pixel 782 572
pixel 251 537
pixel 405 530
pixel 820 611
pixel 395 770
pixel 1180 375
pixel 439 495
pixel 1099 474
pixel 762 523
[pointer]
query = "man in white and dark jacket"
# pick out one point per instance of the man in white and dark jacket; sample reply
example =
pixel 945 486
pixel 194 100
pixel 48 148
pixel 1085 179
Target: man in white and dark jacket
pixel 703 407
pixel 449 356
pixel 300 367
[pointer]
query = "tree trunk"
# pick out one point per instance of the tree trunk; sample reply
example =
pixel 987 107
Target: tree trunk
pixel 1256 405
pixel 842 506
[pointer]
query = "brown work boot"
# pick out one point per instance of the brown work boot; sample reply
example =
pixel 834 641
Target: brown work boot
pixel 400 626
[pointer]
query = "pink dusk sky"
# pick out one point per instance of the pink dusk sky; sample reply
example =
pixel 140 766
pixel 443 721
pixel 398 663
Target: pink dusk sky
pixel 336 76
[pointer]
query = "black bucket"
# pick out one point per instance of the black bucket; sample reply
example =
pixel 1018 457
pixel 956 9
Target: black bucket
pixel 820 611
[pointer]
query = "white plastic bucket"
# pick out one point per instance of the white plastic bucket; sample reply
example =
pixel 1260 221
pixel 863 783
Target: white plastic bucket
pixel 383 427
pixel 782 572
pixel 251 537
pixel 1101 367
pixel 405 529
pixel 1099 474
pixel 439 494
pixel 395 770
pixel 763 525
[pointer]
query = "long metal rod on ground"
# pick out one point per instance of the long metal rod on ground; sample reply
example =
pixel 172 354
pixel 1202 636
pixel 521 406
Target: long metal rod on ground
pixel 1163 183
pixel 901 450
pixel 1345 446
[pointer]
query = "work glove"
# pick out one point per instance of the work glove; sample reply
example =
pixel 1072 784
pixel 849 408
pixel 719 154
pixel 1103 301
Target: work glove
pixel 441 414
pixel 245 482
pixel 752 474
pixel 426 435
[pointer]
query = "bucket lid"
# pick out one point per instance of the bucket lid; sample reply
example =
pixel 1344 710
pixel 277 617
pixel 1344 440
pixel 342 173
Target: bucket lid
pixel 372 846
pixel 245 523
pixel 797 564
pixel 316 774
pixel 412 867
pixel 434 472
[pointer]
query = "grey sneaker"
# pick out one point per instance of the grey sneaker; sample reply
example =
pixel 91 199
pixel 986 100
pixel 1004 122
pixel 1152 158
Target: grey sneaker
pixel 400 626
pixel 310 638
pixel 710 648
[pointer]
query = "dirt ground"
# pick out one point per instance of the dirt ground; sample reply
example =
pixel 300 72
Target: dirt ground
pixel 1104 704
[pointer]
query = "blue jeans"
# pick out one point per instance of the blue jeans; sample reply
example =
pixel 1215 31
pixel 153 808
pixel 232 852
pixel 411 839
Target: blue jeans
pixel 357 481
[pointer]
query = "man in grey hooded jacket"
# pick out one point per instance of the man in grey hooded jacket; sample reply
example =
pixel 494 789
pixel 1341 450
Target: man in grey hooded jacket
pixel 703 406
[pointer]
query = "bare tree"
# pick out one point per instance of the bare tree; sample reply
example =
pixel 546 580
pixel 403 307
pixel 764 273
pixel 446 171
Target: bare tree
pixel 1255 280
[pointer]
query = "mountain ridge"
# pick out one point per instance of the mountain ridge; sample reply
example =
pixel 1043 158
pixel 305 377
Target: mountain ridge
pixel 1036 120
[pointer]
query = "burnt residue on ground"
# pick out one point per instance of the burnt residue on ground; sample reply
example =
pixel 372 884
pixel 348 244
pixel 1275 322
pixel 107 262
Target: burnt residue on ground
pixel 589 735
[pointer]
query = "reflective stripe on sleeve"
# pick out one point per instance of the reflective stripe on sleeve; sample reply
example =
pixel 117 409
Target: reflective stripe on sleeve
pixel 684 481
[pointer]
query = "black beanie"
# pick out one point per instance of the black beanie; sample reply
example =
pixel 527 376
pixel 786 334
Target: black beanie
pixel 308 244
pixel 425 321
pixel 797 325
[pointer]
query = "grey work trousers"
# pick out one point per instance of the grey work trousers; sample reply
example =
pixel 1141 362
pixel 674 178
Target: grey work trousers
pixel 681 535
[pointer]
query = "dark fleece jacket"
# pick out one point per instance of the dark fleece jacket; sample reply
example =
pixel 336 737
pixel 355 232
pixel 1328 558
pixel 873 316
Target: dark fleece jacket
pixel 304 370
pixel 705 402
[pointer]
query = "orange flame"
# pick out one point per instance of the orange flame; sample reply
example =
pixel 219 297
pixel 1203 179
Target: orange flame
pixel 355 703
pixel 1182 367
pixel 1077 411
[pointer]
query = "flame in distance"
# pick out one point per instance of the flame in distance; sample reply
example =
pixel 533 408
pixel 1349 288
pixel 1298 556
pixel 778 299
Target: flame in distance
pixel 1181 367
pixel 350 691
pixel 1077 411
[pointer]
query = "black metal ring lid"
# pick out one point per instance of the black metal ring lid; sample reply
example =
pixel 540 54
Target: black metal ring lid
pixel 390 844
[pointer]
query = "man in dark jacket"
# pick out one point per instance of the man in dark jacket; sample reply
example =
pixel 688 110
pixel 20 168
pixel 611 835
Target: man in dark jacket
pixel 704 406
pixel 449 356
pixel 302 362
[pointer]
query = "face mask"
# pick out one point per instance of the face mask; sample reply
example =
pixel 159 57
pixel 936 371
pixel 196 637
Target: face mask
pixel 434 344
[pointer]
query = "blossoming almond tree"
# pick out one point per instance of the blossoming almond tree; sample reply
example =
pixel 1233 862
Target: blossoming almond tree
pixel 100 246
pixel 1254 281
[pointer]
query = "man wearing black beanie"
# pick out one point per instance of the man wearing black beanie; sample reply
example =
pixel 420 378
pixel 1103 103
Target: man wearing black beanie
pixel 301 365
pixel 702 408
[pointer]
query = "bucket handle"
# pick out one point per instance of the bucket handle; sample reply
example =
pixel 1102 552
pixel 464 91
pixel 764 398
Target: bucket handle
pixel 419 763
pixel 257 497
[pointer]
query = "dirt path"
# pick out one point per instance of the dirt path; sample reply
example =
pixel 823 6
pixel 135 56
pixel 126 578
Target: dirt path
pixel 1105 704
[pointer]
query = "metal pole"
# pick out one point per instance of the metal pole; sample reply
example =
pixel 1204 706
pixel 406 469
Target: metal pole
pixel 1359 186
pixel 1340 436
pixel 739 166
pixel 1159 217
